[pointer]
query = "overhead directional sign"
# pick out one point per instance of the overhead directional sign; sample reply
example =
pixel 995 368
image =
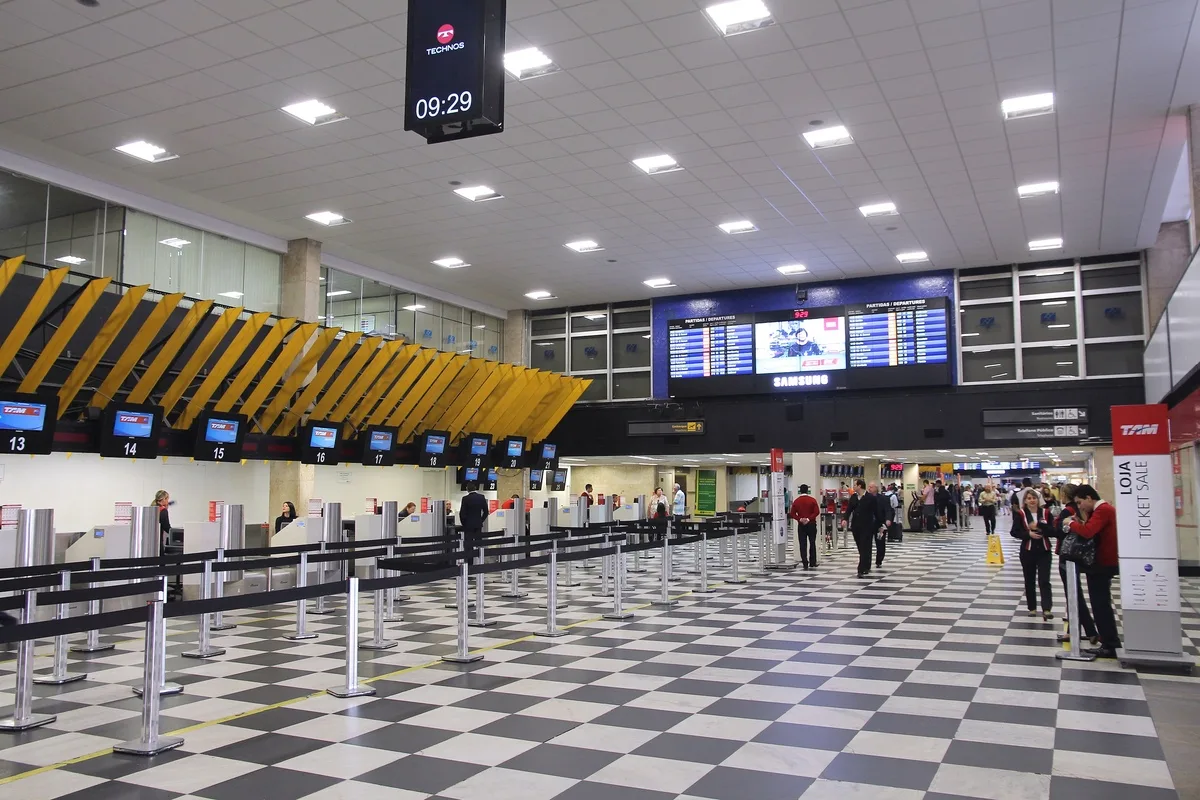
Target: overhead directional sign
pixel 1046 415
pixel 1003 432
pixel 690 427
pixel 454 87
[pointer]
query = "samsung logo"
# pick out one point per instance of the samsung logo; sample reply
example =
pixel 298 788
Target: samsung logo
pixel 789 381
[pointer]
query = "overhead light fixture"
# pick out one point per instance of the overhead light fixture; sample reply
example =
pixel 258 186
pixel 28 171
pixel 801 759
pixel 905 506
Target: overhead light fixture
pixel 878 210
pixel 943 451
pixel 414 307
pixel 314 112
pixel 76 260
pixel 146 152
pixel 739 16
pixel 982 453
pixel 1037 189
pixel 478 194
pixel 480 327
pixel 791 269
pixel 657 165
pixel 594 317
pixel 659 283
pixel 327 218
pixel 914 257
pixel 992 366
pixel 1064 363
pixel 320 316
pixel 965 335
pixel 528 63
pixel 338 293
pixel 539 294
pixel 1053 243
pixel 451 263
pixel 233 295
pixel 1054 303
pixel 1001 375
pixel 1077 452
pixel 741 226
pixel 1060 325
pixel 178 244
pixel 834 136
pixel 1030 105
pixel 583 246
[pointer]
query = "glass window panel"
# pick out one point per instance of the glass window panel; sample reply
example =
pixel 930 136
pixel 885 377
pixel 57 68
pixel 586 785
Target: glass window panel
pixel 140 248
pixel 428 330
pixel 224 270
pixel 631 319
pixel 59 228
pixel 589 353
pixel 549 354
pixel 1113 278
pixel 455 313
pixel 1050 362
pixel 631 385
pixel 985 290
pixel 1047 320
pixel 455 336
pixel 490 345
pixel 178 264
pixel 1112 315
pixel 547 326
pixel 630 350
pixel 598 391
pixel 263 278
pixel 1046 284
pixel 1114 358
pixel 591 321
pixel 994 365
pixel 987 324
pixel 12 240
pixel 433 307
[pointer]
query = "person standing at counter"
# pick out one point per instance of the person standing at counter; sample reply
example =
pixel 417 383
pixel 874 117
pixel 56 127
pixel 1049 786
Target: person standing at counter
pixel 161 501
pixel 408 510
pixel 472 513
pixel 587 492
pixel 287 517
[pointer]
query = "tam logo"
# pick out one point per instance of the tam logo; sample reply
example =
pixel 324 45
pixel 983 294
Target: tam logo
pixel 1139 430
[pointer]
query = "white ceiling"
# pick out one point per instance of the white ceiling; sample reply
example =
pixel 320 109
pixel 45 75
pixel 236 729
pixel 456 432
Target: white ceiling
pixel 918 83
pixel 1068 454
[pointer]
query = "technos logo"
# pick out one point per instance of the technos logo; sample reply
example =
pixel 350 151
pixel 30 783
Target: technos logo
pixel 445 36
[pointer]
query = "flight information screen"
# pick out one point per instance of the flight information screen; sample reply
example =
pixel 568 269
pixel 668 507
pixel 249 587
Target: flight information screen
pixel 897 333
pixel 709 347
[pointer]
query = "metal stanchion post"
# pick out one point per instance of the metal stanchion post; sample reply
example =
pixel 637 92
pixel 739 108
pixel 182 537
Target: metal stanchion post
pixel 378 642
pixel 569 576
pixel 92 643
pixel 481 620
pixel 605 572
pixel 618 611
pixel 393 594
pixel 301 605
pixel 463 654
pixel 154 676
pixel 762 553
pixel 514 587
pixel 703 588
pixel 462 548
pixel 637 556
pixel 736 576
pixel 352 688
pixel 723 550
pixel 161 655
pixel 320 607
pixel 23 718
pixel 59 675
pixel 664 600
pixel 552 631
pixel 218 620
pixel 1075 653
pixel 204 648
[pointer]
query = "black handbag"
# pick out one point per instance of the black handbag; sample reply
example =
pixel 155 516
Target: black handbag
pixel 1078 549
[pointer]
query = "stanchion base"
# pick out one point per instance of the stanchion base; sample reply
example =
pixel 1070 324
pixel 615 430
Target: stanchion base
pixel 739 581
pixel 561 604
pixel 83 648
pixel 209 653
pixel 296 637
pixel 402 598
pixel 704 590
pixel 166 689
pixel 353 691
pixel 570 585
pixel 639 571
pixel 32 721
pixel 667 604
pixel 622 615
pixel 52 680
pixel 782 567
pixel 550 634
pixel 455 605
pixel 1080 657
pixel 139 748
pixel 602 594
pixel 394 618
pixel 227 626
pixel 487 623
pixel 468 659
pixel 1161 660
pixel 517 596
pixel 382 644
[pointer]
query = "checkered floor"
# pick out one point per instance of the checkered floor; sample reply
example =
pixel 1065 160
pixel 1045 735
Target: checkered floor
pixel 927 682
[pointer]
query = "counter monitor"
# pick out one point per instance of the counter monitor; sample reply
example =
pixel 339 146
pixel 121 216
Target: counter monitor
pixel 377 446
pixel 432 449
pixel 475 450
pixel 512 452
pixel 535 480
pixel 320 443
pixel 493 478
pixel 130 431
pixel 27 423
pixel 219 437
pixel 559 483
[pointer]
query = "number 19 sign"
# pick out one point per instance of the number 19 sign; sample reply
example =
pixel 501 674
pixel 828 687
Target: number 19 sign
pixel 455 82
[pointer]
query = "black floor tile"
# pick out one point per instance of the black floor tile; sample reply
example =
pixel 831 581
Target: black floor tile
pixel 275 719
pixel 271 782
pixel 812 737
pixel 565 762
pixel 726 783
pixel 680 747
pixel 912 725
pixel 998 756
pixel 747 709
pixel 421 774
pixel 862 702
pixel 646 719
pixel 1078 789
pixel 585 790
pixel 533 729
pixel 386 710
pixel 1016 715
pixel 401 738
pixel 268 748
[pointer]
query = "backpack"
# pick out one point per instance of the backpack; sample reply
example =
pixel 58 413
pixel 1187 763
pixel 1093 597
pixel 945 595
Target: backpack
pixel 894 500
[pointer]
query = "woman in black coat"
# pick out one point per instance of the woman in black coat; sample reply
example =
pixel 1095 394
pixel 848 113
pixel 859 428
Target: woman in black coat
pixel 1034 527
pixel 287 517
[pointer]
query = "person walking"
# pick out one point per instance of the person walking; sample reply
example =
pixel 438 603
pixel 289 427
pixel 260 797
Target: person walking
pixel 1101 526
pixel 805 512
pixel 987 508
pixel 1086 624
pixel 889 505
pixel 1033 525
pixel 867 520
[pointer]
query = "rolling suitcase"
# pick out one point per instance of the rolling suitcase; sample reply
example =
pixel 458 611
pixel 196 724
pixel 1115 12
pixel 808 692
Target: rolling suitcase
pixel 895 532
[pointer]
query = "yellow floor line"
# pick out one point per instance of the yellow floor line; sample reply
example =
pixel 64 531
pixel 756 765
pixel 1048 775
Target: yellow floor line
pixel 283 704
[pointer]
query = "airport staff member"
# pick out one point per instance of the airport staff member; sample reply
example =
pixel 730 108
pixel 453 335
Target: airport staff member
pixel 587 492
pixel 511 502
pixel 286 518
pixel 472 514
pixel 161 501
pixel 805 511
pixel 408 510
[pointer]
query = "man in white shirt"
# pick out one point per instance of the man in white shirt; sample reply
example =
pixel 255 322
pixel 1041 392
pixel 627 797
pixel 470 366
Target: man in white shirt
pixel 679 504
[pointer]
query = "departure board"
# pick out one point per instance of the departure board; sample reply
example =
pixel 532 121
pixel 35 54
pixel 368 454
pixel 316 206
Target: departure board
pixel 709 347
pixel 897 333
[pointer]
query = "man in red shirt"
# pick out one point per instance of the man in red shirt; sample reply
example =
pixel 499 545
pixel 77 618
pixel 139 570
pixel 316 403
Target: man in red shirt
pixel 805 511
pixel 1101 525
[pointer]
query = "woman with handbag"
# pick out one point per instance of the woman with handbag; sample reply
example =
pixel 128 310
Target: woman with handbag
pixel 1034 527
pixel 1100 528
pixel 1070 509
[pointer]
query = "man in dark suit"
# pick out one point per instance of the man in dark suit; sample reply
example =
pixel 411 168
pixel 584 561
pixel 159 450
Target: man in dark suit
pixel 472 514
pixel 868 513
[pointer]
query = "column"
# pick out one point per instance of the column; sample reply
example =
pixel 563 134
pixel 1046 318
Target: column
pixel 805 470
pixel 1102 468
pixel 1166 262
pixel 516 342
pixel 300 297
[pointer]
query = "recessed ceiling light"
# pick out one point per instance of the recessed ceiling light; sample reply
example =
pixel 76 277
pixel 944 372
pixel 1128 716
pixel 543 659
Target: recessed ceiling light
pixel 1054 302
pixel 320 316
pixel 982 453
pixel 878 210
pixel 539 294
pixel 965 335
pixel 71 260
pixel 1060 325
pixel 480 327
pixel 739 16
pixel 992 366
pixel 834 136
pixel 338 293
pixel 146 152
pixel 791 269
pixel 528 63
pixel 659 283
pixel 314 112
pixel 451 263
pixel 583 246
pixel 656 165
pixel 177 243
pixel 327 218
pixel 594 317
pixel 1030 105
pixel 1053 243
pixel 741 226
pixel 914 257
pixel 1036 189
pixel 1001 375
pixel 943 451
pixel 234 295
pixel 1064 363
pixel 414 307
pixel 478 194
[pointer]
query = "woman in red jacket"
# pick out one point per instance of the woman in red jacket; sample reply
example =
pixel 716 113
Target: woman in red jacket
pixel 1034 526
pixel 1101 525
